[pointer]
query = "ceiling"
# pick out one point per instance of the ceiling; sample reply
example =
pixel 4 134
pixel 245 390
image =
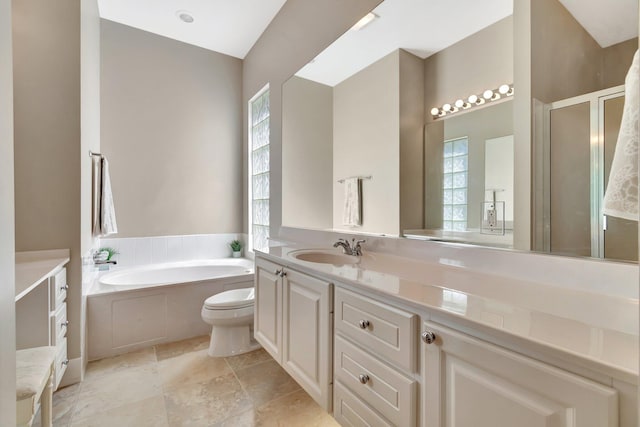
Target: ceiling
pixel 608 21
pixel 422 27
pixel 226 26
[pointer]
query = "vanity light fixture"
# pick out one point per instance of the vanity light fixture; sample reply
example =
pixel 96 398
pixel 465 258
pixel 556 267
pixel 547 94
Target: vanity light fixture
pixel 364 21
pixel 185 16
pixel 488 95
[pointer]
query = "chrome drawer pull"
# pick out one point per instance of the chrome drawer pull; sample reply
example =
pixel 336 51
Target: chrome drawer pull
pixel 429 337
pixel 364 324
pixel 65 362
pixel 65 324
pixel 364 378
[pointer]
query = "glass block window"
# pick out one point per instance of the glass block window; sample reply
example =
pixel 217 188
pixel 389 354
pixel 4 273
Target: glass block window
pixel 259 170
pixel 456 166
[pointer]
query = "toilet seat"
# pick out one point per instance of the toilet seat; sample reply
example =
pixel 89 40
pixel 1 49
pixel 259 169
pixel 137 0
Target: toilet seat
pixel 230 300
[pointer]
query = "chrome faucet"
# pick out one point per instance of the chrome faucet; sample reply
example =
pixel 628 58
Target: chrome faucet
pixel 352 248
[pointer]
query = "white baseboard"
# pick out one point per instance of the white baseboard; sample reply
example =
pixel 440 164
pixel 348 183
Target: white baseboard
pixel 73 374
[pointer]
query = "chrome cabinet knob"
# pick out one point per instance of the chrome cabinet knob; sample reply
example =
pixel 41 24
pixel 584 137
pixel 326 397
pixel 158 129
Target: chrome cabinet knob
pixel 64 288
pixel 283 273
pixel 364 324
pixel 278 272
pixel 65 324
pixel 65 362
pixel 364 378
pixel 429 337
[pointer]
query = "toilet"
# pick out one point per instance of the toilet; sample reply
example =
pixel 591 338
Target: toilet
pixel 231 315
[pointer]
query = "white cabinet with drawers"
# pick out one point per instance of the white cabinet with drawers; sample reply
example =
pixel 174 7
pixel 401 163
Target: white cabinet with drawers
pixel 400 364
pixel 58 322
pixel 293 322
pixel 41 304
pixel 375 359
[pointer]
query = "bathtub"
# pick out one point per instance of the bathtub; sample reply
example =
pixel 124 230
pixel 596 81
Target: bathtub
pixel 133 308
pixel 175 273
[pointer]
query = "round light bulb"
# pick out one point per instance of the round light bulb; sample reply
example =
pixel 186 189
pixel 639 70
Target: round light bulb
pixel 504 89
pixel 473 99
pixel 488 94
pixel 446 107
pixel 435 111
pixel 459 103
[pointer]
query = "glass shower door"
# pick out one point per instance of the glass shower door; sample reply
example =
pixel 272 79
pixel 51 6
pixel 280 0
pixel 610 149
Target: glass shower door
pixel 580 138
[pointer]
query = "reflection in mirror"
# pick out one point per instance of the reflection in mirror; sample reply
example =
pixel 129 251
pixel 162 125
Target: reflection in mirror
pixel 469 194
pixel 391 101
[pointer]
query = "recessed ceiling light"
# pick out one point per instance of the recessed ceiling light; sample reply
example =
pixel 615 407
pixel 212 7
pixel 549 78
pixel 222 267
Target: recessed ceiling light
pixel 366 20
pixel 185 16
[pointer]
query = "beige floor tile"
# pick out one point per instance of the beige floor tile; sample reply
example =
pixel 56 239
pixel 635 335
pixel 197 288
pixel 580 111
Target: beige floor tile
pixel 118 363
pixel 206 403
pixel 245 419
pixel 266 381
pixel 248 359
pixel 297 409
pixel 145 413
pixel 191 368
pixel 64 400
pixel 104 392
pixel 166 351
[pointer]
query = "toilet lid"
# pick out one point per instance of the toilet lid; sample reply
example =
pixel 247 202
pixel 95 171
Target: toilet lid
pixel 235 298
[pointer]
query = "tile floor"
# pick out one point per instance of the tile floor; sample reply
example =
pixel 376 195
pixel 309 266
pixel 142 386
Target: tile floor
pixel 177 384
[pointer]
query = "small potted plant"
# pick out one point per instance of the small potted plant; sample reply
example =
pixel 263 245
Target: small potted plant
pixel 236 248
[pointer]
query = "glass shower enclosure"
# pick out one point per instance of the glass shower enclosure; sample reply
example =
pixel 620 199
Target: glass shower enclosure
pixel 574 150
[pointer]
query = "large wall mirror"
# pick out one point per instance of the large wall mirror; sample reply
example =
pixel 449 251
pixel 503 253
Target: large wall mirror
pixel 457 122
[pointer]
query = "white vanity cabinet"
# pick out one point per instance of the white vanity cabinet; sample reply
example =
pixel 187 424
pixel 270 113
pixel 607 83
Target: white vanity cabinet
pixel 58 322
pixel 374 362
pixel 294 323
pixel 471 383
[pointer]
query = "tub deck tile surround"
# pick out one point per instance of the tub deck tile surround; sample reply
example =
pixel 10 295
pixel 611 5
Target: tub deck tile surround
pixel 177 384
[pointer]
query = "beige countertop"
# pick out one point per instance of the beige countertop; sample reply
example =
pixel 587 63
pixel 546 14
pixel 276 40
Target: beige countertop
pixel 600 330
pixel 33 267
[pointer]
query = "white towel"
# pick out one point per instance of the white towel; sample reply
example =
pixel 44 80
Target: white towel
pixel 107 211
pixel 352 213
pixel 621 197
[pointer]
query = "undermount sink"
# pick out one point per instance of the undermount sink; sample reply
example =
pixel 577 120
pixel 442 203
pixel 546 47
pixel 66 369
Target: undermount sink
pixel 320 256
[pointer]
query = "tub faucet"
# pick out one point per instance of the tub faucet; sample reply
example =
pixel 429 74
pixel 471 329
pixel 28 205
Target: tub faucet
pixel 352 248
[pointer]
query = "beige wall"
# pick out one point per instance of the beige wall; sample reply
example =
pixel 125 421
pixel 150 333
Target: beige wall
pixel 575 57
pixel 300 30
pixel 89 112
pixel 482 61
pixel 307 154
pixel 522 125
pixel 366 123
pixel 171 129
pixel 89 140
pixel 47 138
pixel 7 252
pixel 616 62
pixel 411 141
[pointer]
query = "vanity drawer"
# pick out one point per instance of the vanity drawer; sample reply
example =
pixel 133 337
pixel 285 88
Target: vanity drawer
pixel 59 324
pixel 381 387
pixel 391 332
pixel 350 411
pixel 59 291
pixel 61 363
